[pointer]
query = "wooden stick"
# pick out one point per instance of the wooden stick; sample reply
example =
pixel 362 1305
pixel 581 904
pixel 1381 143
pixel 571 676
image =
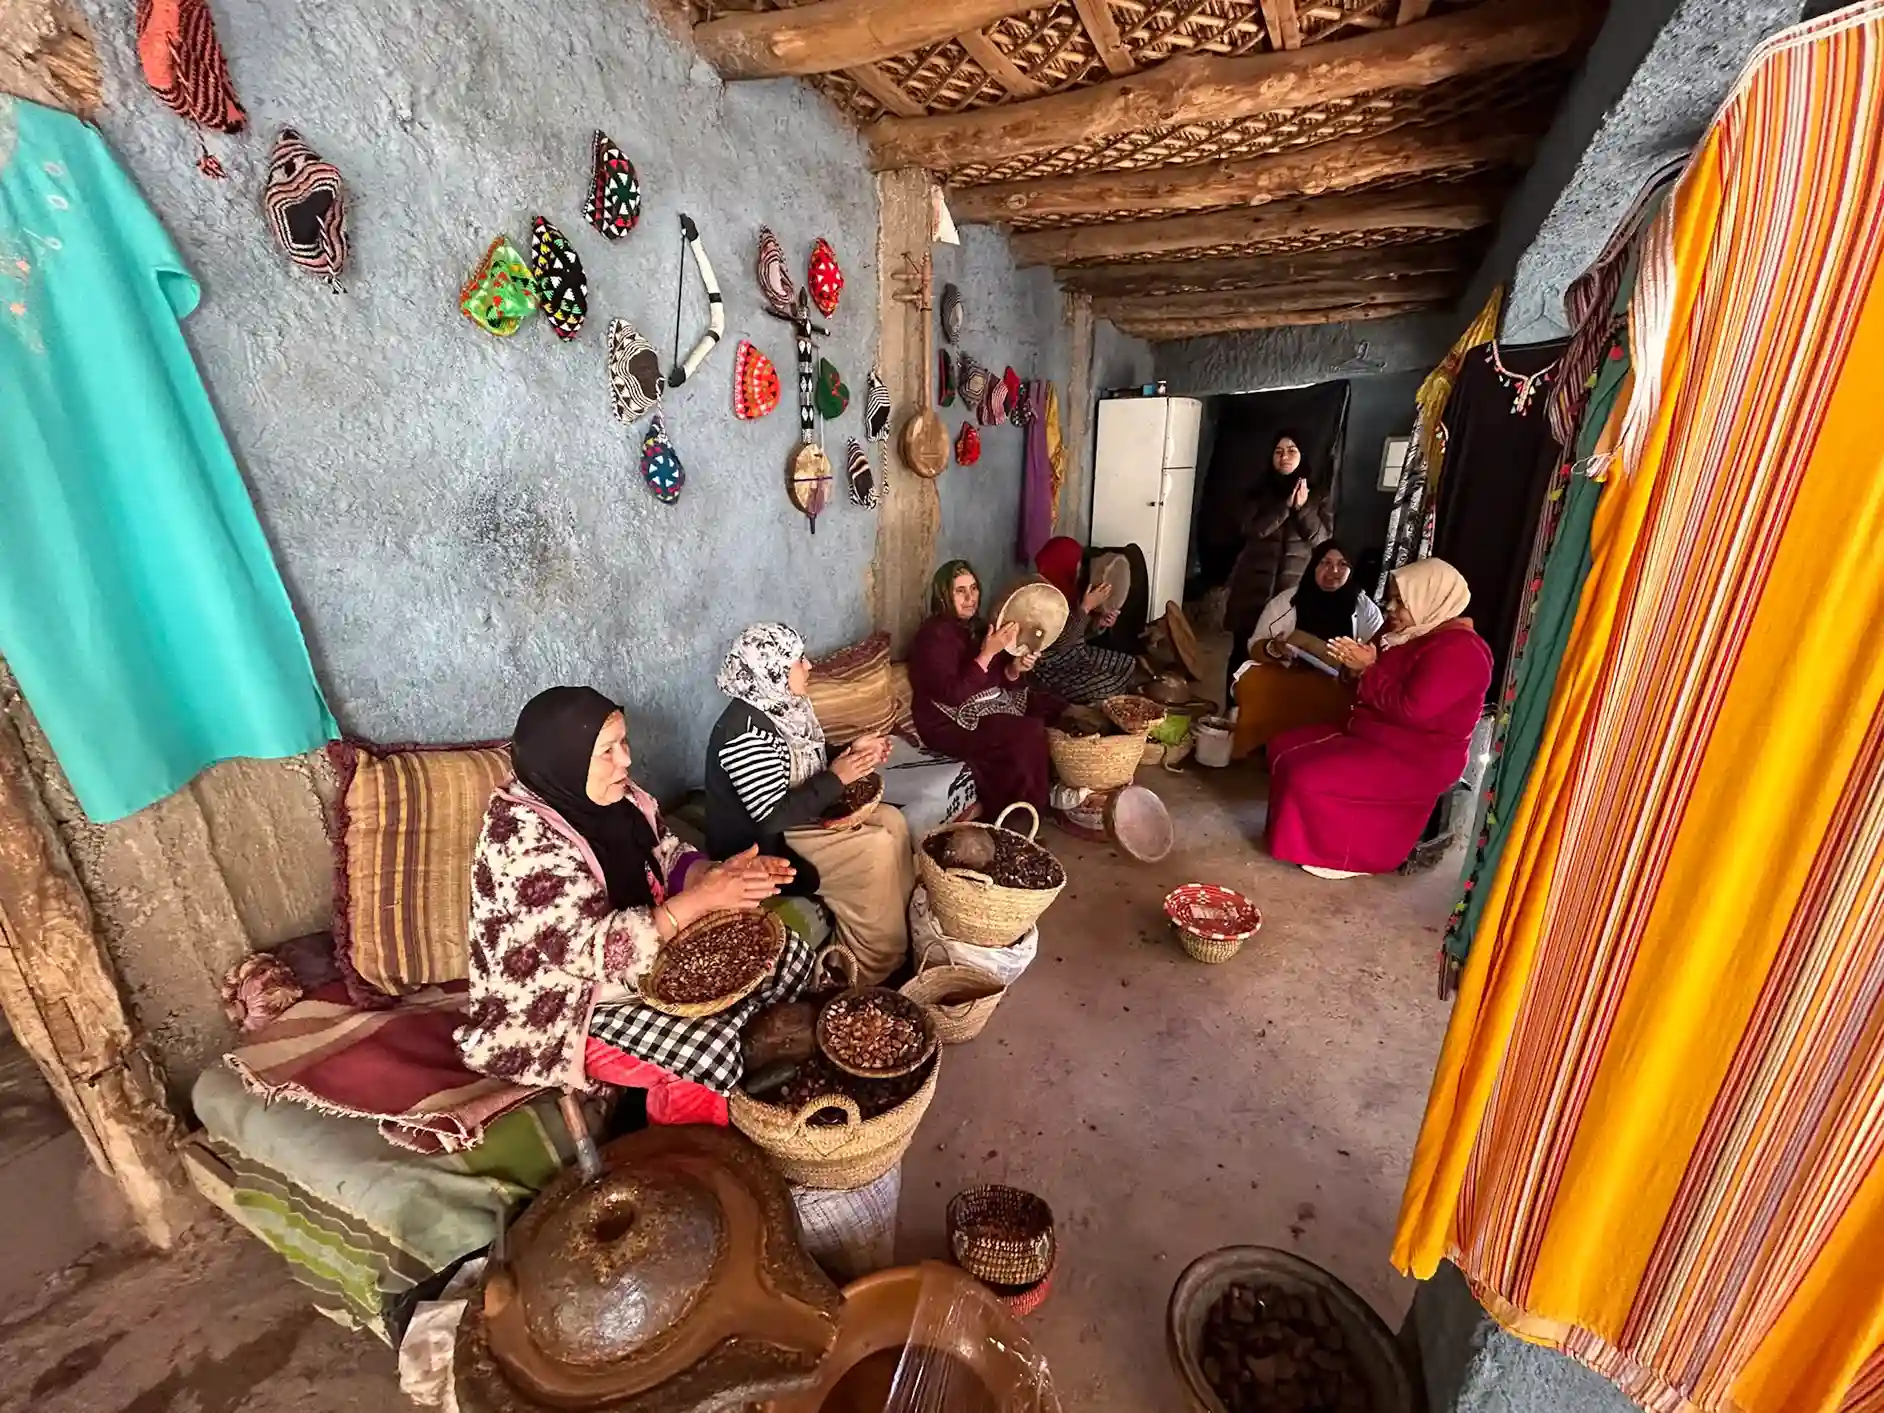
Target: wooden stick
pixel 828 35
pixel 884 89
pixel 1160 330
pixel 1411 10
pixel 1277 298
pixel 1003 70
pixel 1283 24
pixel 1460 207
pixel 1103 30
pixel 1214 88
pixel 1255 272
pixel 1306 171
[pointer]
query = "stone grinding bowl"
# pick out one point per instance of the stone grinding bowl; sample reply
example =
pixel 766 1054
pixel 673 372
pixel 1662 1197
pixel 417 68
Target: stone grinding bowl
pixel 1373 1352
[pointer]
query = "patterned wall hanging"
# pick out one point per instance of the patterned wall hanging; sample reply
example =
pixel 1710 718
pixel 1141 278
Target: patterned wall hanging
pixel 832 393
pixel 953 314
pixel 716 308
pixel 972 382
pixel 634 372
pixel 613 206
pixel 876 407
pixel 862 479
pixel 184 65
pixel 993 408
pixel 1021 414
pixel 561 285
pixel 660 463
pixel 306 208
pixel 945 380
pixel 968 445
pixel 755 383
pixel 775 280
pixel 501 293
pixel 825 277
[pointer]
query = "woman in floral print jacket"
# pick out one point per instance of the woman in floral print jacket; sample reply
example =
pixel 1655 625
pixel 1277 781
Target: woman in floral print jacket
pixel 574 887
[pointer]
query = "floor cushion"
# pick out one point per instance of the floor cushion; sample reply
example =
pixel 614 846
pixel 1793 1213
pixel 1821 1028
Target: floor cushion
pixel 852 691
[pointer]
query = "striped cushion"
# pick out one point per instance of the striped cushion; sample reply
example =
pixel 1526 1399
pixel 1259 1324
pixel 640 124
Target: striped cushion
pixel 851 692
pixel 408 829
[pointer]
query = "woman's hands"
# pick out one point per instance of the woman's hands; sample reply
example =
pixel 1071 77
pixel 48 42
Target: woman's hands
pixel 1356 657
pixel 1096 597
pixel 864 755
pixel 1023 663
pixel 1299 496
pixel 741 883
pixel 1001 638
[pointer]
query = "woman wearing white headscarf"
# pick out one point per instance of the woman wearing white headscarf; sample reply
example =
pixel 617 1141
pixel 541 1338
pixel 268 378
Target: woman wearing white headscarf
pixel 1352 800
pixel 770 780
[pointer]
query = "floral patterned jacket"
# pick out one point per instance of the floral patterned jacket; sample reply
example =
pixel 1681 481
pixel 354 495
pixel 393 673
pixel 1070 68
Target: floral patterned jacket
pixel 543 938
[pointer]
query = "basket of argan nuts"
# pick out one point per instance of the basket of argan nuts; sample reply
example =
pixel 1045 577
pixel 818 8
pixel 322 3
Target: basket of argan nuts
pixel 875 1033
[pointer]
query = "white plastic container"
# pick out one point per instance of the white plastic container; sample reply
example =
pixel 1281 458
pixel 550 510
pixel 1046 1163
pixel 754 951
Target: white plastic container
pixel 1212 735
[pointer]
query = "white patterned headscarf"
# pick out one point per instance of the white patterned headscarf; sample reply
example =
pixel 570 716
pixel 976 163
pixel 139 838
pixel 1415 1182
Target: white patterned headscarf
pixel 758 672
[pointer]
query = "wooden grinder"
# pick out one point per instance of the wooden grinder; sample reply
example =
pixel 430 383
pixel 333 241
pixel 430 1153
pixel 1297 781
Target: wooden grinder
pixel 924 442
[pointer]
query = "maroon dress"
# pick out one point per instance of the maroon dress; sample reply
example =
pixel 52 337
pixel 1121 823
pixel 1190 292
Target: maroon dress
pixel 1357 798
pixel 967 711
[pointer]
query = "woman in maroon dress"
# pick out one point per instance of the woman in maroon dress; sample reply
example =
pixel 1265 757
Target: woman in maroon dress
pixel 968 699
pixel 1353 800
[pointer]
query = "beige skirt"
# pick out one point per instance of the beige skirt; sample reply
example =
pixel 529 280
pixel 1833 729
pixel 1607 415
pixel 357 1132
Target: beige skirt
pixel 865 877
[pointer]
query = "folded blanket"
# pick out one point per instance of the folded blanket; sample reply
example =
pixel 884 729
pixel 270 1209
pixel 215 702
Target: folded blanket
pixel 398 1067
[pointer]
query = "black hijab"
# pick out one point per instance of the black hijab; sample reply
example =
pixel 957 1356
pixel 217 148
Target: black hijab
pixel 551 749
pixel 1327 615
pixel 1272 485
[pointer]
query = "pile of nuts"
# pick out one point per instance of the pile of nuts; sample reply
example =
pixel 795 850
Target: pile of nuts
pixel 871 1031
pixel 1267 1350
pixel 715 961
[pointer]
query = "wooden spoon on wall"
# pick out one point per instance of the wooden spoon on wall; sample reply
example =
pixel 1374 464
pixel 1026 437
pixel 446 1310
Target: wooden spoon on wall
pixel 924 441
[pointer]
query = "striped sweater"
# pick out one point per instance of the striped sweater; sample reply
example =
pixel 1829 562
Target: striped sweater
pixel 750 797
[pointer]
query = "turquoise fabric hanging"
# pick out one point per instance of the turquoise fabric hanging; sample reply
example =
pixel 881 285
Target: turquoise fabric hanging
pixel 140 608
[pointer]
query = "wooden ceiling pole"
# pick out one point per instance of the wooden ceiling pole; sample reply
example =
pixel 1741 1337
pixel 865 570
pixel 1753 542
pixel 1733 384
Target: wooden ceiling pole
pixel 1304 171
pixel 1256 272
pixel 828 35
pixel 1161 330
pixel 1276 298
pixel 1282 23
pixel 884 89
pixel 1103 31
pixel 1411 10
pixel 1003 70
pixel 1210 88
pixel 1460 207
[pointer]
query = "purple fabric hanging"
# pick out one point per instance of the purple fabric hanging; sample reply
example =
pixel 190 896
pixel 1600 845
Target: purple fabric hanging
pixel 1036 517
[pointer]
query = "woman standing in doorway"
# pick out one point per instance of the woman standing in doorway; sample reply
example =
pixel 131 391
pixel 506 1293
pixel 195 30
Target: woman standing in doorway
pixel 1288 519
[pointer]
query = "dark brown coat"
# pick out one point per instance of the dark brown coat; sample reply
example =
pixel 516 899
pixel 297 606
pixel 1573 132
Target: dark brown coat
pixel 1275 551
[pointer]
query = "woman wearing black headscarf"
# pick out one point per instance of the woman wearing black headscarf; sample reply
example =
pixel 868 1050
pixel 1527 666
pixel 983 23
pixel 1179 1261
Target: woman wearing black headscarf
pixel 574 887
pixel 1280 688
pixel 1288 516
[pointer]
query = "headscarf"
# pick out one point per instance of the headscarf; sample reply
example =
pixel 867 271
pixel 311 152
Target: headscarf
pixel 1272 484
pixel 1059 563
pixel 757 671
pixel 1433 593
pixel 942 596
pixel 551 749
pixel 1326 614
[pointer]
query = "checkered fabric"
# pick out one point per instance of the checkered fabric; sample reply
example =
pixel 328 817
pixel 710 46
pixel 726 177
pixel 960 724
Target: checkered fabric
pixel 706 1049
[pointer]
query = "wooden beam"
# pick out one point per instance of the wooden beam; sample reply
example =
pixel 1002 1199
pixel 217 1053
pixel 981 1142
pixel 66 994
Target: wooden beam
pixel 1256 272
pixel 1411 10
pixel 1306 171
pixel 1161 330
pixel 1282 23
pixel 884 89
pixel 1460 207
pixel 1147 308
pixel 1003 70
pixel 828 35
pixel 1216 88
pixel 1103 30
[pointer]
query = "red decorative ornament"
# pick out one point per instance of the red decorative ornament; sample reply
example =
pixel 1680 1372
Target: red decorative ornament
pixel 824 277
pixel 968 445
pixel 755 383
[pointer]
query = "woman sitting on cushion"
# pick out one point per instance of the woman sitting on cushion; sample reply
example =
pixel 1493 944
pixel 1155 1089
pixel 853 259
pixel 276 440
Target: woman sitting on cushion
pixel 969 702
pixel 1072 667
pixel 1351 800
pixel 575 885
pixel 1279 687
pixel 769 781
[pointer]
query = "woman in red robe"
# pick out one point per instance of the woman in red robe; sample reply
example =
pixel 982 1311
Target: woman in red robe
pixel 968 698
pixel 1344 801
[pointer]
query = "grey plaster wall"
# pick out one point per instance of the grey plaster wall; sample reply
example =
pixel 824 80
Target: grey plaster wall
pixel 459 519
pixel 1296 357
pixel 1378 407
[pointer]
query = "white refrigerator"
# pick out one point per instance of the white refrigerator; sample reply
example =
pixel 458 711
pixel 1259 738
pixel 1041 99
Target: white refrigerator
pixel 1144 479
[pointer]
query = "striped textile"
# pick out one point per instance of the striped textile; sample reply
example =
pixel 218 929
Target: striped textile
pixel 1654 1135
pixel 184 65
pixel 408 829
pixel 759 764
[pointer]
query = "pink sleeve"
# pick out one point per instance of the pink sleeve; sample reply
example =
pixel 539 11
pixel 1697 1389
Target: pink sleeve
pixel 1445 676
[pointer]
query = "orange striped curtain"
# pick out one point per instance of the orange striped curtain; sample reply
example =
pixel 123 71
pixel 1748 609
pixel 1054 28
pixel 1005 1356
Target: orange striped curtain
pixel 1653 1139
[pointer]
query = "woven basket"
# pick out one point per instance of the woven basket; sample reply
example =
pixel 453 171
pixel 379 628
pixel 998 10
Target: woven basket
pixel 1023 1300
pixel 1133 715
pixel 980 1247
pixel 1212 923
pixel 691 1010
pixel 1095 762
pixel 858 815
pixel 956 1022
pixel 970 906
pixel 854 1153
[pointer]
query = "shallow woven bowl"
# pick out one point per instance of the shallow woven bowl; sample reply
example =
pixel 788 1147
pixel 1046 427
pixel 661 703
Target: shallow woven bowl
pixel 1133 715
pixel 997 1258
pixel 1370 1345
pixel 691 1010
pixel 1212 922
pixel 1039 609
pixel 1138 820
pixel 913 1010
pixel 858 815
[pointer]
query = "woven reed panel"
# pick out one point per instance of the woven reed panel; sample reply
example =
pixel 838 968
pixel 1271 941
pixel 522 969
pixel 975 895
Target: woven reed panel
pixel 1495 94
pixel 1291 245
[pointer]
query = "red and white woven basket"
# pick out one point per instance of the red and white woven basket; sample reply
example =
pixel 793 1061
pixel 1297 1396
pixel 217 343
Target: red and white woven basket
pixel 1212 922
